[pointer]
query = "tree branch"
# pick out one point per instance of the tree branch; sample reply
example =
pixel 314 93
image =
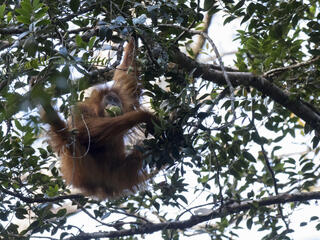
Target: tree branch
pixel 38 199
pixel 276 71
pixel 299 107
pixel 196 219
pixel 12 30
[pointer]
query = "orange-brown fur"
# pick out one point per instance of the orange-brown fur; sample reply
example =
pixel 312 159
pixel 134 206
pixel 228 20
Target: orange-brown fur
pixel 96 162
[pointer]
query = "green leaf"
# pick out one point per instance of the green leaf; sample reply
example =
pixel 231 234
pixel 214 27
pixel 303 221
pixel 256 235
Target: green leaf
pixel 13 104
pixel 229 19
pixel 183 198
pixel 30 45
pixel 44 22
pixel 239 4
pixel 245 18
pixel 256 138
pixel 2 9
pixel 249 156
pixel 21 213
pixel 203 179
pixel 249 223
pixel 315 141
pixel 105 33
pixel 208 4
pixel 36 4
pixel 24 16
pixel 26 5
pixel 302 224
pixel 314 218
pixel 74 5
pixel 19 85
pixel 61 212
pixel 80 43
pixel 307 167
pixel 28 151
pixel 156 205
pixel 307 128
pixel 18 125
pixel 277 30
pixel 91 42
pixel 203 115
pixel 190 51
pixel 41 13
pixel 251 9
pixel 52 191
pixel 43 153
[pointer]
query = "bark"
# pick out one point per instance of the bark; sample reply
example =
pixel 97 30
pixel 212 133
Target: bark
pixel 300 108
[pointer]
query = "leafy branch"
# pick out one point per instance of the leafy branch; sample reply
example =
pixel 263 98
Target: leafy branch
pixel 39 199
pixel 223 211
pixel 300 108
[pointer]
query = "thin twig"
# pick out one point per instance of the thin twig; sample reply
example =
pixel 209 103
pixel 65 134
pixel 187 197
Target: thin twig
pixel 145 44
pixel 132 215
pixel 198 206
pixel 276 71
pixel 78 30
pixel 184 31
pixel 273 176
pixel 93 217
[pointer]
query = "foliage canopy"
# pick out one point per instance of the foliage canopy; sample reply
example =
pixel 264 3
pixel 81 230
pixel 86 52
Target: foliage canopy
pixel 222 129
